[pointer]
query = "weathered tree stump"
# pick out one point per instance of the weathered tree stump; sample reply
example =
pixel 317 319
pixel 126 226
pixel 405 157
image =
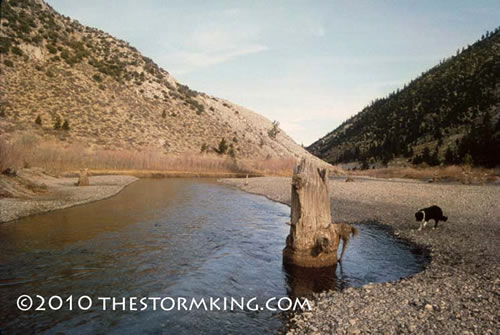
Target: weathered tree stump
pixel 83 179
pixel 313 240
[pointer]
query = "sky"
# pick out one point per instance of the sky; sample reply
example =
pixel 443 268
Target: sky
pixel 308 64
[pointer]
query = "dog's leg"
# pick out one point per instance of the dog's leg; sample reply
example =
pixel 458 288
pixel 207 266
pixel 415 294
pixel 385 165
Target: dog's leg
pixel 425 223
pixel 344 245
pixel 421 225
pixel 436 224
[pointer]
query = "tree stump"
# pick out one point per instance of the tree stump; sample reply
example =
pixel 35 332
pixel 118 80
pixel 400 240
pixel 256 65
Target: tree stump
pixel 83 179
pixel 313 240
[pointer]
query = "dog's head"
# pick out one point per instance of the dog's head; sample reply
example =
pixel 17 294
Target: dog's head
pixel 419 216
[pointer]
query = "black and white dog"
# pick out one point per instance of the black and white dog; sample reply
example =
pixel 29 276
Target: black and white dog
pixel 430 213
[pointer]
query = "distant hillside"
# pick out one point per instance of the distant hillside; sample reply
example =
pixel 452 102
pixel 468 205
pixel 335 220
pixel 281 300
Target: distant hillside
pixel 61 80
pixel 450 114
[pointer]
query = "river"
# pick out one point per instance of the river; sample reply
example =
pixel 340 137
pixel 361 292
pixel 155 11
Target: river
pixel 190 238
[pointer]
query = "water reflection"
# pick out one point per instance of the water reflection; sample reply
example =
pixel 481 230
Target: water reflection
pixel 303 282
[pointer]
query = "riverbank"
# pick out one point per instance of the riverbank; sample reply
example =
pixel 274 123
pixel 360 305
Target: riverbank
pixel 164 173
pixel 33 191
pixel 457 293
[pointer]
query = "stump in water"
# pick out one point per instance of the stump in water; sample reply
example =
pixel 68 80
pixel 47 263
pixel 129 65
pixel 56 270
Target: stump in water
pixel 313 240
pixel 83 179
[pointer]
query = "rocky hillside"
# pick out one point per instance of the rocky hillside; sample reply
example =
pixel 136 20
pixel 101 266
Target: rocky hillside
pixel 62 80
pixel 450 114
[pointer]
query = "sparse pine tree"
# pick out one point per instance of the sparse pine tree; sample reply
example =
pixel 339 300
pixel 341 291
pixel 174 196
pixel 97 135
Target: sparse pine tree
pixel 204 148
pixel 435 158
pixel 232 152
pixel 426 156
pixel 449 157
pixel 38 120
pixel 222 148
pixel 57 124
pixel 65 125
pixel 164 114
pixel 365 165
pixel 274 130
pixel 468 160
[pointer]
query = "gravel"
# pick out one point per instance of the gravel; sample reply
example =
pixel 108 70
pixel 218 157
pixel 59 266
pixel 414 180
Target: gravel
pixel 458 293
pixel 57 193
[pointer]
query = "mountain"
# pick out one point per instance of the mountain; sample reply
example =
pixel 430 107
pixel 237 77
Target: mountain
pixel 449 114
pixel 67 82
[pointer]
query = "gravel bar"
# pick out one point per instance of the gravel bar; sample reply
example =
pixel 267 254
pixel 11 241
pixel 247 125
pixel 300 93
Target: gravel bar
pixel 60 193
pixel 458 293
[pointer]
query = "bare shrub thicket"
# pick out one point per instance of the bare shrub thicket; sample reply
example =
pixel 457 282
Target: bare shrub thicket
pixel 29 151
pixel 464 174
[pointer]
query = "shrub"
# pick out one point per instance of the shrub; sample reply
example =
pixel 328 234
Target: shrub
pixel 365 165
pixel 8 63
pixel 164 114
pixel 204 148
pixel 65 125
pixel 231 152
pixel 468 161
pixel 97 77
pixel 57 124
pixel 38 120
pixel 449 157
pixel 5 43
pixel 274 130
pixel 16 50
pixel 222 148
pixel 52 48
pixel 65 54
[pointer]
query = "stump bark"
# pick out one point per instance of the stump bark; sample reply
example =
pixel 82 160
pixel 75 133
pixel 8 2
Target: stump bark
pixel 313 240
pixel 83 179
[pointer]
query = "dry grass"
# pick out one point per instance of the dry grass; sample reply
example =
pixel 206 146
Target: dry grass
pixel 463 174
pixel 27 150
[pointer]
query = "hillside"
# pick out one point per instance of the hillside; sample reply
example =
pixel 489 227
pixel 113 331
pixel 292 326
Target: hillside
pixel 65 82
pixel 450 114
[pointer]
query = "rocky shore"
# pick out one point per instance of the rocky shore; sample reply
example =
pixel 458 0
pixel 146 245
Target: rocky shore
pixel 32 191
pixel 458 293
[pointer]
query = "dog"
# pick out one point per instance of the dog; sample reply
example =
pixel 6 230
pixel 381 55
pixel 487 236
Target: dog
pixel 345 232
pixel 430 213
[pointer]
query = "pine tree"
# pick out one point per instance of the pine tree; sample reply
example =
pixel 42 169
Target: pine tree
pixel 57 124
pixel 435 158
pixel 204 148
pixel 231 152
pixel 221 150
pixel 65 125
pixel 38 120
pixel 426 156
pixel 449 157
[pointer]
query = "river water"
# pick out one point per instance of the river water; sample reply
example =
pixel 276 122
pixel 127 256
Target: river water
pixel 191 238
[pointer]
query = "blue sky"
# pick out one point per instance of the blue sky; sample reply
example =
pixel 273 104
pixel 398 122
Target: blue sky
pixel 308 64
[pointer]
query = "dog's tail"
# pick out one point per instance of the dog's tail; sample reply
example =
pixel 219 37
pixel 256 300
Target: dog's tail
pixel 354 231
pixel 444 218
